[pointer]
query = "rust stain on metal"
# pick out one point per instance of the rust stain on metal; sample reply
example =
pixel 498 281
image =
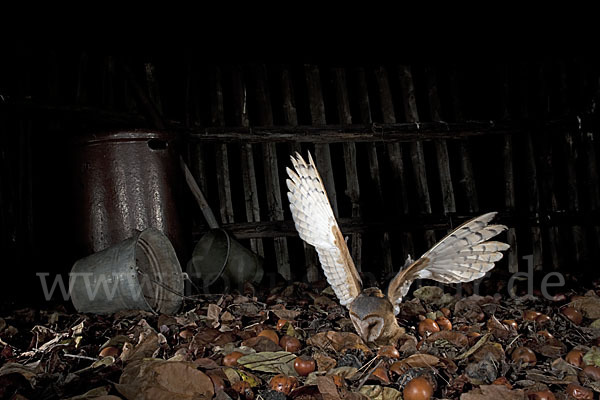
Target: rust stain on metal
pixel 128 181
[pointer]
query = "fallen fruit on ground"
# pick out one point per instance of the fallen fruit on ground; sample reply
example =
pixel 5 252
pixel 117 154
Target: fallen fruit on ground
pixel 418 389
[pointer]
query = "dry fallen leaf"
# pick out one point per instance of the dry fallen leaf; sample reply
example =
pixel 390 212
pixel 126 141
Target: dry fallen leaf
pixel 210 336
pixel 306 392
pixel 487 392
pixel 328 388
pixel 324 362
pixel 480 343
pixel 588 305
pixel 146 346
pixel 227 317
pixel 245 310
pixel 592 357
pixel 160 379
pixel 458 339
pixel 330 391
pixel 212 314
pixel 338 341
pixel 206 363
pixel 232 375
pixel 325 302
pixel 537 375
pixel 469 309
pixel 498 329
pixel 482 372
pixel 411 309
pixel 251 379
pixel 290 315
pixel 421 360
pixel 490 350
pixel 280 362
pixel 95 393
pixel 344 372
pixel 262 344
pixel 429 294
pixel 376 392
pixel 29 372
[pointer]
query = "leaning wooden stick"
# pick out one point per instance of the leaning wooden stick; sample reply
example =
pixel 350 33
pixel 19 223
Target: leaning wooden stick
pixel 199 196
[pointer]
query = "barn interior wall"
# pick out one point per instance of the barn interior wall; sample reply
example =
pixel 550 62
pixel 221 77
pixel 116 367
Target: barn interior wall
pixel 540 173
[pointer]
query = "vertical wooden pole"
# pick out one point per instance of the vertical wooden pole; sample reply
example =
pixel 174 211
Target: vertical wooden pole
pixel 416 148
pixel 441 148
pixel 532 179
pixel 593 177
pixel 365 114
pixel 549 201
pixel 5 199
pixel 352 184
pixel 466 167
pixel 271 170
pixel 153 88
pixel 589 86
pixel 570 145
pixel 81 91
pixel 196 150
pixel 108 83
pixel 509 178
pixel 394 149
pixel 317 113
pixel 396 163
pixel 290 117
pixel 247 158
pixel 222 157
pixel 366 118
pixel 25 184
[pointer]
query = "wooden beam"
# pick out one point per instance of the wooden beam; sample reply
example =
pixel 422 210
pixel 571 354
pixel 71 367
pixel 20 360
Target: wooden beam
pixel 222 154
pixel 509 179
pixel 532 178
pixel 466 167
pixel 352 184
pixel 394 151
pixel 545 146
pixel 382 133
pixel 271 171
pixel 366 118
pixel 196 150
pixel 317 114
pixel 441 148
pixel 570 144
pixel 108 83
pixel 290 117
pixel 416 148
pixel 410 223
pixel 247 164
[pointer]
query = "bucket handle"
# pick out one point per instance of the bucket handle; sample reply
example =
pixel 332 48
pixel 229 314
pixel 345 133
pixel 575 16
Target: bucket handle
pixel 187 277
pixel 226 255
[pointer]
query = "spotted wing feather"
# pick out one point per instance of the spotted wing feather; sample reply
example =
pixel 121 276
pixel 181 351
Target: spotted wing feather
pixel 317 226
pixel 463 255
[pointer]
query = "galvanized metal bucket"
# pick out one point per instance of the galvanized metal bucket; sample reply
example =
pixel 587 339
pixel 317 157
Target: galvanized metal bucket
pixel 217 256
pixel 140 273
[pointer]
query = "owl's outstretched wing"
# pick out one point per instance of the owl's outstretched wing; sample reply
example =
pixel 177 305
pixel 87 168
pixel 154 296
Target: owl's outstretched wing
pixel 463 255
pixel 317 226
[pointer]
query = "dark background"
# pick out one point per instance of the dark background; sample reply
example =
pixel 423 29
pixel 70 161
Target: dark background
pixel 52 95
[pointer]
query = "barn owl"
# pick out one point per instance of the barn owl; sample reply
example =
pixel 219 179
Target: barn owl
pixel 463 255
